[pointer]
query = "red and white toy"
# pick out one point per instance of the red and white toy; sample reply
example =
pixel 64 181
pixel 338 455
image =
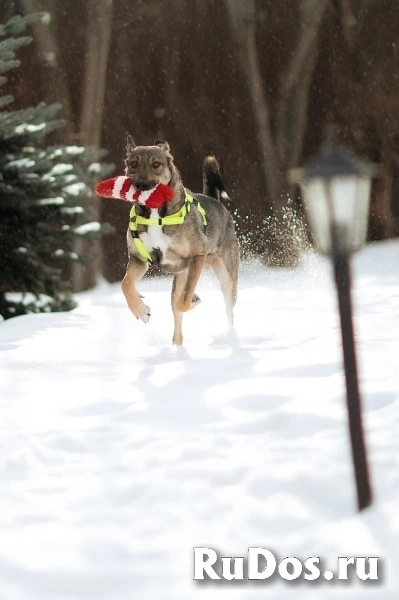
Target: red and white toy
pixel 122 188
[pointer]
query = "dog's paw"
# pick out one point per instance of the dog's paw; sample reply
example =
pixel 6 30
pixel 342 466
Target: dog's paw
pixel 186 305
pixel 177 339
pixel 195 300
pixel 142 312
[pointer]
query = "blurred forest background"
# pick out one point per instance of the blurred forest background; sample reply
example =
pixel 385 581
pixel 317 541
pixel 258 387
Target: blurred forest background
pixel 254 81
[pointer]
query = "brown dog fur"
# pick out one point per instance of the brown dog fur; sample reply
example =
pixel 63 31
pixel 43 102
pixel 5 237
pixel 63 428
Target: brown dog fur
pixel 180 249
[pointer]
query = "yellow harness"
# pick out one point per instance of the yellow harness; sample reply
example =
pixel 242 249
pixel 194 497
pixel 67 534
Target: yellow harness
pixel 176 219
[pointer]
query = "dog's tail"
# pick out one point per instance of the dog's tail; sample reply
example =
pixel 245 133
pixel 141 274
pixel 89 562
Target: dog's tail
pixel 213 182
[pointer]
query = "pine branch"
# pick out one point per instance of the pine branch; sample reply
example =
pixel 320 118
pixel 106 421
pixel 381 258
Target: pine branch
pixel 17 24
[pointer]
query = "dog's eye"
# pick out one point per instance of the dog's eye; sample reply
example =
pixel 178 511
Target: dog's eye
pixel 133 164
pixel 156 164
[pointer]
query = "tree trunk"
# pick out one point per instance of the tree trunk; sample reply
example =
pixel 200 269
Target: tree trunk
pixel 97 50
pixel 280 136
pixel 98 43
pixel 55 85
pixel 382 222
pixel 243 20
pixel 295 84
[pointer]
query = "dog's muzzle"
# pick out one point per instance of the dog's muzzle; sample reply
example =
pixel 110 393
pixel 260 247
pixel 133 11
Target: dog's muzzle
pixel 142 185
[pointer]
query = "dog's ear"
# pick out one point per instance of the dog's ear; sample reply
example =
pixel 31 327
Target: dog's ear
pixel 130 145
pixel 164 146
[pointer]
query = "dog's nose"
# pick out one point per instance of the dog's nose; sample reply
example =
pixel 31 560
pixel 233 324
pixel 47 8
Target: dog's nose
pixel 142 185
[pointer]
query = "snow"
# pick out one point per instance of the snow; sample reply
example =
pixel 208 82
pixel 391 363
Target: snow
pixel 58 200
pixel 74 150
pixel 29 128
pixel 46 18
pixel 22 163
pixel 69 178
pixel 26 298
pixel 95 168
pixel 75 189
pixel 72 210
pixel 120 453
pixel 61 169
pixel 92 227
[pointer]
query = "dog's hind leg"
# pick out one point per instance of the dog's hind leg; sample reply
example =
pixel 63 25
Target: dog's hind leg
pixel 227 274
pixel 179 282
pixel 177 288
pixel 135 271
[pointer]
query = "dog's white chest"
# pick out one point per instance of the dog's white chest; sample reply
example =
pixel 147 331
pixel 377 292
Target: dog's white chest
pixel 154 237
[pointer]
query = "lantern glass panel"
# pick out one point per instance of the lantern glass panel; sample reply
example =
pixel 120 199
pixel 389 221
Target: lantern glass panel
pixel 338 204
pixel 362 212
pixel 315 198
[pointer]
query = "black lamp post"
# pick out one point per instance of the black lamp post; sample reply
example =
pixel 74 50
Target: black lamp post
pixel 336 186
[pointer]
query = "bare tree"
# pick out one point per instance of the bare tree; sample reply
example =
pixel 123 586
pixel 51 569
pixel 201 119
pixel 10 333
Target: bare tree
pixel 280 132
pixel 98 41
pixel 55 84
pixel 368 107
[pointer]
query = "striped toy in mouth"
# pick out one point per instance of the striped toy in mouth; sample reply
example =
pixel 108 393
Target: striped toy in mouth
pixel 122 188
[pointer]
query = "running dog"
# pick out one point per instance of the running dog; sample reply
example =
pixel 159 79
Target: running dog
pixel 183 235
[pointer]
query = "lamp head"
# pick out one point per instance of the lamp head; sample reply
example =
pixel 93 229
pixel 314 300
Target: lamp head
pixel 336 186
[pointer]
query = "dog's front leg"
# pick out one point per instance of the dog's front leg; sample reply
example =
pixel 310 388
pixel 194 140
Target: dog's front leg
pixel 134 272
pixel 185 302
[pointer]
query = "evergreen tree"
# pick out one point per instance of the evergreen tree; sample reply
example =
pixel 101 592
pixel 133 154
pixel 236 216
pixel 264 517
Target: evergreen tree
pixel 41 192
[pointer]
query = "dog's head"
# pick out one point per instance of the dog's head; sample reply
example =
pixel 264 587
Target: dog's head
pixel 148 165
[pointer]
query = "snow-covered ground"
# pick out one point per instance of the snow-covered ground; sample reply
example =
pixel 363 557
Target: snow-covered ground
pixel 120 453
